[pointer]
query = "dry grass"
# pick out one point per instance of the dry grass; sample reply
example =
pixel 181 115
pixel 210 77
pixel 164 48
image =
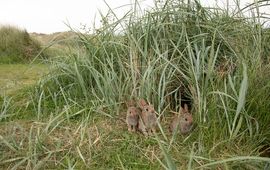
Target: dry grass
pixel 58 43
pixel 99 144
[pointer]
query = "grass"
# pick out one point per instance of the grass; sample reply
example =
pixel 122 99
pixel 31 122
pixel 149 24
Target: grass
pixel 18 76
pixel 215 60
pixel 81 144
pixel 16 45
pixel 58 43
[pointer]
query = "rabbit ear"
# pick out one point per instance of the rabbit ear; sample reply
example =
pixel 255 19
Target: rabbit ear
pixel 142 103
pixel 185 107
pixel 181 111
pixel 130 103
pixel 184 110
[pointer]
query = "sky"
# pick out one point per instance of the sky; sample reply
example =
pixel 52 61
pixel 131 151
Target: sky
pixel 48 16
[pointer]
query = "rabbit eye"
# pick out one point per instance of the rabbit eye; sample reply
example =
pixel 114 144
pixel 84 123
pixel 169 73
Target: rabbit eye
pixel 186 119
pixel 146 109
pixel 130 112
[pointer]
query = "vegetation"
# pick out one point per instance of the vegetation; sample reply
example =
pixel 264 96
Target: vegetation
pixel 215 60
pixel 18 76
pixel 16 45
pixel 58 43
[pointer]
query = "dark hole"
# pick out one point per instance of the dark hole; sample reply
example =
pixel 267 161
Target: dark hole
pixel 146 109
pixel 265 151
pixel 186 119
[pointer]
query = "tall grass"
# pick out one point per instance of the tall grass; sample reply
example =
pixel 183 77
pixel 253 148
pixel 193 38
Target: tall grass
pixel 213 59
pixel 16 45
pixel 5 107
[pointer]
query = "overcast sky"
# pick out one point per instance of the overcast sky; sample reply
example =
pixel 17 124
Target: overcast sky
pixel 47 16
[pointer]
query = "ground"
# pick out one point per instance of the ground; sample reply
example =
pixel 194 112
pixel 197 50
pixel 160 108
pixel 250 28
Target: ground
pixel 17 76
pixel 96 141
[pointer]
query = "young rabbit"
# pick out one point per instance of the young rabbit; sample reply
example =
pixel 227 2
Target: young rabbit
pixel 182 121
pixel 148 120
pixel 132 117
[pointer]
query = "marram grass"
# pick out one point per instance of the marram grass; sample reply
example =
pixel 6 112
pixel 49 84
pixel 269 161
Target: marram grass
pixel 215 60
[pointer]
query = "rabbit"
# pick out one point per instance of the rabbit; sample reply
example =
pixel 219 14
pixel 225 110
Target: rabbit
pixel 132 118
pixel 147 120
pixel 182 121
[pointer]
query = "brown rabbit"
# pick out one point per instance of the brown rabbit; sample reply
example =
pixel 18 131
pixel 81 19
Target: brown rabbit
pixel 182 121
pixel 148 120
pixel 132 118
